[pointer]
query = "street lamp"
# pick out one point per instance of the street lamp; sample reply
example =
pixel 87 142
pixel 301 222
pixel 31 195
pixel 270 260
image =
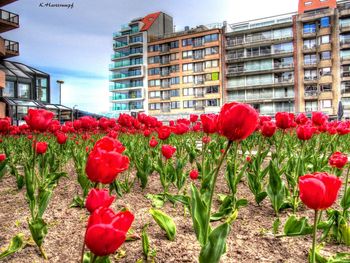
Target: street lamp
pixel 60 82
pixel 73 112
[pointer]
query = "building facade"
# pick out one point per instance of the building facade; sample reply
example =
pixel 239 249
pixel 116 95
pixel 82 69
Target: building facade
pixel 297 62
pixel 128 77
pixel 184 73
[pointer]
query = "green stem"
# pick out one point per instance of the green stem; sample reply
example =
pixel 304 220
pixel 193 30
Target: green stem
pixel 43 252
pixel 313 255
pixel 204 150
pixel 279 146
pixel 346 187
pixel 93 258
pixel 221 160
pixel 297 175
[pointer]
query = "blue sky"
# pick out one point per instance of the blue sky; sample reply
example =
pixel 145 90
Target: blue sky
pixel 75 45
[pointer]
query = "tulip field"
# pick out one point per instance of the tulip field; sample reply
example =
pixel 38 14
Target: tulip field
pixel 227 187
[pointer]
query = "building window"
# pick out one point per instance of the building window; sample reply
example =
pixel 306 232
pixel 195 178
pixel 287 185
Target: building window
pixel 175 93
pixel 188 92
pixel 187 67
pixel 174 56
pixel 41 89
pixel 308 3
pixel 175 80
pixel 187 42
pixel 310 74
pixel 325 39
pixel 188 104
pixel 212 89
pixel 153 83
pixel 326 103
pixel 325 55
pixel 175 105
pixel 187 79
pixel 23 90
pixel 211 38
pixel 325 72
pixel 310 59
pixel 154 106
pixel 154 94
pixel 174 44
pixel 325 87
pixel 213 102
pixel 211 51
pixel 9 90
pixel 309 28
pixel 311 106
pixel 153 71
pixel 211 64
pixel 325 22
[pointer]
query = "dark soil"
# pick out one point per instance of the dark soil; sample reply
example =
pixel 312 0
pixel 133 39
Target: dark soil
pixel 250 239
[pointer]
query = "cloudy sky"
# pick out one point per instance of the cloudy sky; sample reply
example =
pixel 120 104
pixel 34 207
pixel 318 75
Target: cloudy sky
pixel 75 45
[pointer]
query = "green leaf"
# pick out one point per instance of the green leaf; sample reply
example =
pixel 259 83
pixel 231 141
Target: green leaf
pixel 145 241
pixel 276 225
pixel 15 245
pixel 216 245
pixel 297 227
pixel 345 201
pixel 157 200
pixel 275 189
pixel 43 200
pixel 88 255
pixel 165 222
pixel 38 229
pixel 260 197
pixel 345 232
pixel 77 201
pixel 199 215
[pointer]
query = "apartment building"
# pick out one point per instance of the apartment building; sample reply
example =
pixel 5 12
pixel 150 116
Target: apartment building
pixel 260 64
pixel 297 62
pixel 344 37
pixel 129 62
pixel 185 73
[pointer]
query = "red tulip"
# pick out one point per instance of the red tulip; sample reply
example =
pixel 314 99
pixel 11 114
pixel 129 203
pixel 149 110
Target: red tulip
pixel 268 128
pixel 194 174
pixel 237 121
pixel 168 151
pixel 61 138
pixel 2 157
pixel 318 118
pixel 338 160
pixel 248 159
pixel 164 132
pixel 106 231
pixel 98 198
pixel 39 120
pixel 104 167
pixel 5 124
pixel 305 132
pixel 109 144
pixel 319 191
pixel 301 119
pixel 193 117
pixel 209 123
pixel 41 147
pixel 206 139
pixel 153 142
pixel 284 120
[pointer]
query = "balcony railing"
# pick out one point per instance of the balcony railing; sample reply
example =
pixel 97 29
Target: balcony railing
pixel 124 64
pixel 199 82
pixel 126 75
pixel 165 73
pixel 125 97
pixel 166 109
pixel 165 85
pixel 120 44
pixel 120 86
pixel 9 17
pixel 165 97
pixel 236 42
pixel 199 94
pixel 199 107
pixel 11 46
pixel 345 25
pixel 197 57
pixel 343 58
pixel 198 43
pixel 164 61
pixel 345 42
pixel 165 49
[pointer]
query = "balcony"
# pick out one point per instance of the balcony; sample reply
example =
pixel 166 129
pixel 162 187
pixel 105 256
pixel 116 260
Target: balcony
pixel 198 57
pixel 257 54
pixel 310 63
pixel 11 48
pixel 128 75
pixel 165 85
pixel 345 76
pixel 198 43
pixel 125 97
pixel 345 43
pixel 120 44
pixel 164 49
pixel 257 40
pixel 199 82
pixel 345 12
pixel 125 86
pixel 199 107
pixel 310 79
pixel 124 64
pixel 199 94
pixel 165 61
pixel 345 59
pixel 312 94
pixel 309 48
pixel 198 69
pixel 315 15
pixel 8 21
pixel 165 96
pixel 277 66
pixel 345 27
pixel 165 109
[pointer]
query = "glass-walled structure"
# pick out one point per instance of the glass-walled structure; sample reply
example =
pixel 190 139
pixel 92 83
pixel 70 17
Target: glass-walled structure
pixel 25 88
